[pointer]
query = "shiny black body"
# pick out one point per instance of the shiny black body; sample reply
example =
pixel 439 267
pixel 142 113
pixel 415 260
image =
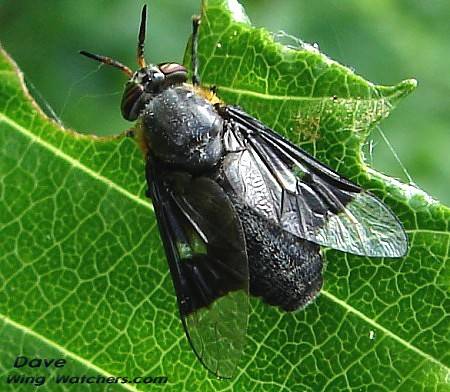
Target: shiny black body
pixel 240 209
pixel 184 129
pixel 189 136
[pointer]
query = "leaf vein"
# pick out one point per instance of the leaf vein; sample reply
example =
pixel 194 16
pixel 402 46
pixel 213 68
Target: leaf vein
pixel 74 162
pixel 62 349
pixel 383 329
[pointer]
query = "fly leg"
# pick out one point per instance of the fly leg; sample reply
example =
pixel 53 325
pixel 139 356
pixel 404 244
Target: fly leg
pixel 130 133
pixel 194 53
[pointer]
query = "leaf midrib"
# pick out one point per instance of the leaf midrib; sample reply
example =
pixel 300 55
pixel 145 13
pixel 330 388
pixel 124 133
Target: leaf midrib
pixel 148 205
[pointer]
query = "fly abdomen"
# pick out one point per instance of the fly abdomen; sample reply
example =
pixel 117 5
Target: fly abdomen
pixel 285 270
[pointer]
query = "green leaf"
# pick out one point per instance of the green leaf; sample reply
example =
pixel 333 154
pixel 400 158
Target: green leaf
pixel 83 275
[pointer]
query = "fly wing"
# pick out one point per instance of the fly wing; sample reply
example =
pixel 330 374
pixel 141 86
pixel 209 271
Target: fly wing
pixel 205 248
pixel 285 184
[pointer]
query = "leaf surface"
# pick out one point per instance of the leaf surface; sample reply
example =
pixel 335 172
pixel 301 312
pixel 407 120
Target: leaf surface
pixel 83 274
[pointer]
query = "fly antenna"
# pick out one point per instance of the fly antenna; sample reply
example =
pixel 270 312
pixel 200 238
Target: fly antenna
pixel 141 38
pixel 109 61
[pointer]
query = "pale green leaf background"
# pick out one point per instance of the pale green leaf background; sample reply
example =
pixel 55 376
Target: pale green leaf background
pixel 83 275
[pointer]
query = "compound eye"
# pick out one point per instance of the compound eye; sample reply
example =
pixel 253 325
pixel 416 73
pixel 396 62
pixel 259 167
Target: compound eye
pixel 132 102
pixel 175 73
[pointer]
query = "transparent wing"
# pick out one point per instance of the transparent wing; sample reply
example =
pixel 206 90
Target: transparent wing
pixel 303 196
pixel 205 248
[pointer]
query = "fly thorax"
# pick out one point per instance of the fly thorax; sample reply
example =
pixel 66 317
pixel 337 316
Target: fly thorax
pixel 183 129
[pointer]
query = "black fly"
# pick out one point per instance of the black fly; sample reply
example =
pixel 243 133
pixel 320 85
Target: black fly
pixel 240 209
